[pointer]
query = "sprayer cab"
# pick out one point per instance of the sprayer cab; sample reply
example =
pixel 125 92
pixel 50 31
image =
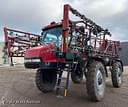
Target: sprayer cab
pixel 46 52
pixel 52 34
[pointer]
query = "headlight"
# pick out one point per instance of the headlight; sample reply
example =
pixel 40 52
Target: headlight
pixel 27 60
pixel 31 60
pixel 35 60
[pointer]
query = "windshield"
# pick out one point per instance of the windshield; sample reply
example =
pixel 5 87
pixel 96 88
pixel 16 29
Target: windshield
pixel 52 36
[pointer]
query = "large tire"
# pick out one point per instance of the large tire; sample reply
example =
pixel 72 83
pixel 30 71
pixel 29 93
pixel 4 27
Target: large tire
pixel 46 80
pixel 116 74
pixel 77 75
pixel 95 81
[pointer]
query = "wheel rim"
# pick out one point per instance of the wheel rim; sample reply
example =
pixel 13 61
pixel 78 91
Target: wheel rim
pixel 100 83
pixel 119 74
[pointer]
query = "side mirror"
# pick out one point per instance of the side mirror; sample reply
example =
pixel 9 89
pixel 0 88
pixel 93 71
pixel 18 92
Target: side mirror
pixel 42 33
pixel 39 38
pixel 120 49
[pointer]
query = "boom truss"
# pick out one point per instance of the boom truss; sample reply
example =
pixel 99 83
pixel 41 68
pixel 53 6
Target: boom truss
pixel 93 36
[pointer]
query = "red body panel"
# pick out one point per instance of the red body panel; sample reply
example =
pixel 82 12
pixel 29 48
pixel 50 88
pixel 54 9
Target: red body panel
pixel 46 52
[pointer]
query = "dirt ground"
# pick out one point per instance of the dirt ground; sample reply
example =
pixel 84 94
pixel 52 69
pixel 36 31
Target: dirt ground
pixel 18 89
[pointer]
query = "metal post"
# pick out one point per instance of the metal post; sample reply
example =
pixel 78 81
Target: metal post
pixel 11 62
pixel 65 28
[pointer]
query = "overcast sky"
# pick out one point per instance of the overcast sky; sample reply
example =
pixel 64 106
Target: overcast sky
pixel 32 15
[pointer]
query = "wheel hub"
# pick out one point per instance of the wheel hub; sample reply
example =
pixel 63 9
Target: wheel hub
pixel 100 81
pixel 100 85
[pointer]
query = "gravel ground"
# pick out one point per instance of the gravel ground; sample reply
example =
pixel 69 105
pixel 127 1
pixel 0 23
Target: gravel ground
pixel 18 89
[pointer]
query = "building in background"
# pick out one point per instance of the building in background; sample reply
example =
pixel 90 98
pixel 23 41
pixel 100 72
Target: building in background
pixel 124 53
pixel 4 58
pixel 1 52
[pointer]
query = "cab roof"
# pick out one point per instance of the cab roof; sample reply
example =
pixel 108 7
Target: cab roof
pixel 52 25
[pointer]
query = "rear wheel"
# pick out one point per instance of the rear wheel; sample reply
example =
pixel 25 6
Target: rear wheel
pixel 95 82
pixel 77 75
pixel 116 74
pixel 46 80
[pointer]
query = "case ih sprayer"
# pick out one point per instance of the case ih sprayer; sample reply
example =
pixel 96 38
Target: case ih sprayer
pixel 78 48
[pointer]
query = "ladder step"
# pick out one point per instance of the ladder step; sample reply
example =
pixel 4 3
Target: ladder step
pixel 62 83
pixel 59 96
pixel 63 78
pixel 67 68
pixel 62 87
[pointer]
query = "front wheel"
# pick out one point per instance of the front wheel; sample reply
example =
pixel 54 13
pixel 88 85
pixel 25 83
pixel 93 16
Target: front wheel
pixel 95 82
pixel 46 80
pixel 116 74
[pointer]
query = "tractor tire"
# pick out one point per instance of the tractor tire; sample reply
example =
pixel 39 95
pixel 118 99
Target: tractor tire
pixel 95 81
pixel 46 80
pixel 77 76
pixel 116 74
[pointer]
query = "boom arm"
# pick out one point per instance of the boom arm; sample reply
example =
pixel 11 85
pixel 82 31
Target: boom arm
pixel 17 42
pixel 89 23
